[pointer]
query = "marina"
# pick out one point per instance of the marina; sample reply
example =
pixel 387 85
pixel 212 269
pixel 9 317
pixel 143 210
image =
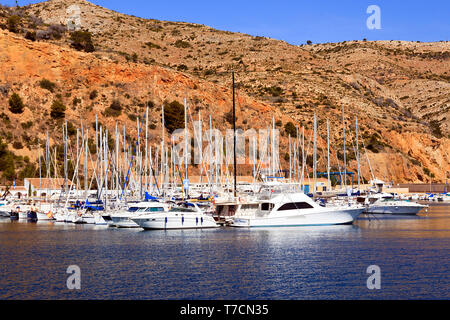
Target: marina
pixel 326 262
pixel 243 152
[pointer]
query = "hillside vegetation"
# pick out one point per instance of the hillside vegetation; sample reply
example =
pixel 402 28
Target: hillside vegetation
pixel 116 65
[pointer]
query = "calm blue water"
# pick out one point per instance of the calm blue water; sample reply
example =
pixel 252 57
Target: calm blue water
pixel 273 263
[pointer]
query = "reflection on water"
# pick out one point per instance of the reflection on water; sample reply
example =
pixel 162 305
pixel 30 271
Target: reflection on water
pixel 266 263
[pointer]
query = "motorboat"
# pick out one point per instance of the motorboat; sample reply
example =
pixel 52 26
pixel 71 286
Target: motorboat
pixel 293 209
pixel 186 216
pixel 391 206
pixel 123 219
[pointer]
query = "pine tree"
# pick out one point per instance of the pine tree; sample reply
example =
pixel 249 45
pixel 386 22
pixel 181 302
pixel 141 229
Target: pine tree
pixel 16 104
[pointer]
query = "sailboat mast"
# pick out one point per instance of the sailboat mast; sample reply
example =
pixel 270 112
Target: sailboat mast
pixel 303 159
pixel 146 146
pixel 315 156
pixel 185 145
pixel 234 138
pixel 328 155
pixel 40 170
pixel 345 156
pixel 200 146
pixel 163 139
pixel 357 153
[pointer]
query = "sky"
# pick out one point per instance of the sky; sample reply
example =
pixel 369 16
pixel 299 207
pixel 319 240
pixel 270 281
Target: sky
pixel 299 21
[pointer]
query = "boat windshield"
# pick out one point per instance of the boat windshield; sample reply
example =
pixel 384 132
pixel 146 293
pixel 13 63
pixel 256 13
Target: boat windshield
pixel 267 206
pixel 177 209
pixel 154 209
pixel 295 206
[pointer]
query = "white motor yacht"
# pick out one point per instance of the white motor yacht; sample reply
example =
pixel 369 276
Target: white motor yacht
pixel 391 206
pixel 176 218
pixel 293 209
pixel 123 219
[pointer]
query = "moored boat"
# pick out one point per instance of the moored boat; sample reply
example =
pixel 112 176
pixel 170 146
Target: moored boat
pixel 177 217
pixel 295 209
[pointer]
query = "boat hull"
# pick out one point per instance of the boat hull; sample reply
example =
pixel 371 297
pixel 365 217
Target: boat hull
pixel 325 218
pixel 44 217
pixel 177 222
pixel 99 220
pixel 123 222
pixel 400 210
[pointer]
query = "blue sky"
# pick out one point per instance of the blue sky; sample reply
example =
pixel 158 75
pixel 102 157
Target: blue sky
pixel 299 21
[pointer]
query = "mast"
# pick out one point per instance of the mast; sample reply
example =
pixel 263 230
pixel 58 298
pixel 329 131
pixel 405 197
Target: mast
pixel 40 171
pixel 234 137
pixel 163 141
pixel 125 160
pixel 296 156
pixel 47 160
pixel 274 167
pixel 185 145
pixel 146 150
pixel 210 155
pixel 200 147
pixel 303 159
pixel 315 156
pixel 96 150
pixel 290 160
pixel 357 153
pixel 328 154
pixel 105 159
pixel 65 154
pixel 345 156
pixel 117 159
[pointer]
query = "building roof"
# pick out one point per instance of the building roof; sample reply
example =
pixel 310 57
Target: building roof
pixel 54 183
pixel 240 179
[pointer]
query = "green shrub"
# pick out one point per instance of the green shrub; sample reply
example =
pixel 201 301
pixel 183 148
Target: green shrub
pixel 7 162
pixel 114 110
pixel 58 110
pixel 30 35
pixel 82 41
pixel 47 85
pixel 290 129
pixel 76 101
pixel 71 130
pixel 16 104
pixel 173 116
pixel 152 45
pixel 229 117
pixel 182 44
pixel 93 95
pixel 274 91
pixel 13 23
pixel 17 145
pixel 436 128
pixel 27 125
